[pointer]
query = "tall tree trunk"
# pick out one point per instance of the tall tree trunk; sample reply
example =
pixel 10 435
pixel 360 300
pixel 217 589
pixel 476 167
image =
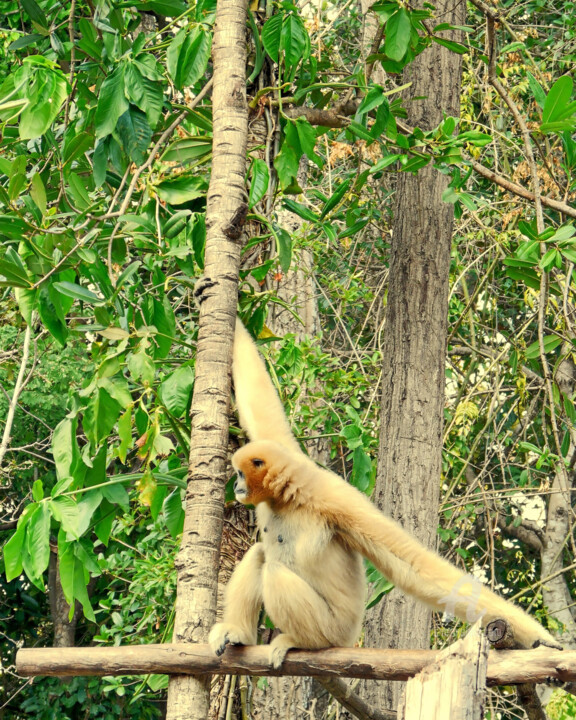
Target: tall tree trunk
pixel 409 461
pixel 198 559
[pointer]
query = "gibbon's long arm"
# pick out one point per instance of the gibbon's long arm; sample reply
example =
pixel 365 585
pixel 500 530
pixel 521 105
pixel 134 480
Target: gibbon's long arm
pixel 259 408
pixel 292 483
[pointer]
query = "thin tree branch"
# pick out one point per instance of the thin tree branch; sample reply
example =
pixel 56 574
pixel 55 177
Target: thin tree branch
pixel 18 387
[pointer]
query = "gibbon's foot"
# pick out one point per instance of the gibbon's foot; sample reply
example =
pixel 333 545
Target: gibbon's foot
pixel 202 285
pixel 547 643
pixel 278 649
pixel 223 634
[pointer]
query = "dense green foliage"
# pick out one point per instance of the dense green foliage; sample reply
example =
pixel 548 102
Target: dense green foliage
pixel 104 168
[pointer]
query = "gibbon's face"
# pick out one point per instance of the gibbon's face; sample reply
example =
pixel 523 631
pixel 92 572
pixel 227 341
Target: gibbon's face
pixel 255 468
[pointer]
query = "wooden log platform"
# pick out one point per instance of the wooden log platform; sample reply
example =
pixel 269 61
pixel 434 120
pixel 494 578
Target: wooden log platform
pixel 505 667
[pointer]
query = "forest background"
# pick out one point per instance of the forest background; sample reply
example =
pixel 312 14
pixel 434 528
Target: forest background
pixel 408 264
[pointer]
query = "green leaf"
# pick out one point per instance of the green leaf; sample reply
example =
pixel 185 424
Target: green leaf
pixel 46 96
pixel 259 181
pixel 76 291
pixel 294 41
pixel 100 416
pixel 537 92
pixel 173 513
pixel 373 98
pixel 38 538
pixel 13 551
pixel 176 391
pixel 112 102
pixel 37 490
pixel 451 45
pixel 182 189
pixel 271 36
pixel 398 32
pixel 550 343
pixel 284 241
pixel 38 193
pixel 134 133
pixel 35 12
pixel 125 434
pixel 64 447
pixel 76 145
pixel 26 300
pixel 86 507
pixel 141 366
pixel 300 210
pixel 335 198
pixel 557 105
pixel 165 322
pixel 74 578
pixel 186 150
pixel 51 313
pixel 65 511
pixel 188 56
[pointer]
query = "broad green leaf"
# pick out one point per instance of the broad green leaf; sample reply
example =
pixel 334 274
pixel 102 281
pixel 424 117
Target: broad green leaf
pixel 271 36
pixel 187 150
pixel 451 45
pixel 373 98
pixel 76 291
pixel 165 322
pixel 35 12
pixel 259 180
pixel 86 507
pixel 37 490
pixel 135 134
pixel 173 513
pixel 301 210
pixel 100 416
pixel 549 342
pixel 537 92
pixel 125 434
pixel 188 55
pixel 65 447
pixel 557 105
pixel 51 313
pixel 38 538
pixel 307 139
pixel 112 102
pixel 26 300
pixel 74 579
pixel 65 511
pixel 284 241
pixel 77 191
pixel 12 551
pixel 294 41
pixel 286 164
pixel 335 198
pixel 38 193
pixel 46 94
pixel 176 390
pixel 141 366
pixel 182 189
pixel 76 145
pixel 398 32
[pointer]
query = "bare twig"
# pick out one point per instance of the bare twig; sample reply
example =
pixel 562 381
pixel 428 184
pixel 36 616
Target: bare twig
pixel 18 387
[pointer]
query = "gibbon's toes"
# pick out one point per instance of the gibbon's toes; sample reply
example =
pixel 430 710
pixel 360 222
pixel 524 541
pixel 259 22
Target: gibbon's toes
pixel 547 643
pixel 277 655
pixel 202 285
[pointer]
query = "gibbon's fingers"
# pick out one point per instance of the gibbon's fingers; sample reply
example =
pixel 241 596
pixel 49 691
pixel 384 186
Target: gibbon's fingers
pixel 261 412
pixel 223 634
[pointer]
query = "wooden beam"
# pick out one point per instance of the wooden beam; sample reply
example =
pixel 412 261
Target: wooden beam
pixel 505 667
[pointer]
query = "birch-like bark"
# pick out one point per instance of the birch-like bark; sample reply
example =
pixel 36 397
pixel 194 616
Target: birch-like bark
pixel 198 559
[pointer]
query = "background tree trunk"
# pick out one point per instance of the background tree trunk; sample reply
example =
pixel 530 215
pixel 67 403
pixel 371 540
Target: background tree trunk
pixel 409 462
pixel 198 559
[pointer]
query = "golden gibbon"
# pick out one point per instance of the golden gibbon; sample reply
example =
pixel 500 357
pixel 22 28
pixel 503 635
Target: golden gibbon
pixel 314 527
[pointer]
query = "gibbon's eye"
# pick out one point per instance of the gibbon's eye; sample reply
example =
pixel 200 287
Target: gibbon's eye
pixel 257 463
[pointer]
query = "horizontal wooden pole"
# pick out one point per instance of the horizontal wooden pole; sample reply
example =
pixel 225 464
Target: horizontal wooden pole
pixel 505 667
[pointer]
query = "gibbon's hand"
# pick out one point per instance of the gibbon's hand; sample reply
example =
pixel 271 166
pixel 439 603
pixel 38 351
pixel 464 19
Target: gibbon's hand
pixel 223 634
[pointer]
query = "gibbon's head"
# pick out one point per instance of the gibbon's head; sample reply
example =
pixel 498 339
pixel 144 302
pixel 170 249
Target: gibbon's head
pixel 257 464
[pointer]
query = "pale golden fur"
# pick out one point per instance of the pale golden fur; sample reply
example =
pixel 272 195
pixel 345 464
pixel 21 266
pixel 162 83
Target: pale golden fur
pixel 307 569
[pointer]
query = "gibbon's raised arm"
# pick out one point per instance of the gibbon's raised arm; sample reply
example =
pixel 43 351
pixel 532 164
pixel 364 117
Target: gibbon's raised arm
pixel 295 484
pixel 259 408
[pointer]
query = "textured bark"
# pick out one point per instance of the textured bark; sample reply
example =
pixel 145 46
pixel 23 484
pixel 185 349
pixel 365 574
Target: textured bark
pixel 505 667
pixel 198 559
pixel 409 461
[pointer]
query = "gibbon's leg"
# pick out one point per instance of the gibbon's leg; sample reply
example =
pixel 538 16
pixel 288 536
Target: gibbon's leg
pixel 242 603
pixel 304 617
pixel 259 407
